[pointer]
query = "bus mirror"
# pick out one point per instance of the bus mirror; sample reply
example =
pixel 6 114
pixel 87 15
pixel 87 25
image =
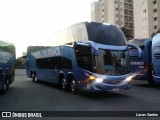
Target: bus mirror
pixel 136 47
pixel 1 70
pixel 95 52
pixel 94 68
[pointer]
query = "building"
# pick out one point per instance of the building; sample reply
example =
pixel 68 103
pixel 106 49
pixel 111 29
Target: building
pixel 119 12
pixel 146 17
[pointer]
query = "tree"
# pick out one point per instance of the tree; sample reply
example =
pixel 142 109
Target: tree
pixel 20 63
pixel 127 33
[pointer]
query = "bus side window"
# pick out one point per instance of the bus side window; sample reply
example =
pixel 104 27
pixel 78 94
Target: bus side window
pixel 84 58
pixel 66 63
pixel 54 63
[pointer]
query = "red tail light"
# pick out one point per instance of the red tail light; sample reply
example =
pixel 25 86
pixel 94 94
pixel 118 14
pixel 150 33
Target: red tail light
pixel 145 67
pixel 152 66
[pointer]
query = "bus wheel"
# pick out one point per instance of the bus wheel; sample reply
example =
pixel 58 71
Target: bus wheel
pixel 33 77
pixel 8 82
pixel 73 87
pixel 4 88
pixel 64 84
pixel 151 82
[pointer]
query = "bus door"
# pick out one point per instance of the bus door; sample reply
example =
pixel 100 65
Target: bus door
pixel 84 58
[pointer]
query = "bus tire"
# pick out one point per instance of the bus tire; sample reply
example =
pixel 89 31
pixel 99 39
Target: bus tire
pixel 73 87
pixel 33 77
pixel 151 82
pixel 4 88
pixel 150 79
pixel 64 84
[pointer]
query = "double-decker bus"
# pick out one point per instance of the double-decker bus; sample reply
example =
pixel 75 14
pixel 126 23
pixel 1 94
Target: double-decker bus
pixel 141 66
pixel 7 61
pixel 156 58
pixel 86 56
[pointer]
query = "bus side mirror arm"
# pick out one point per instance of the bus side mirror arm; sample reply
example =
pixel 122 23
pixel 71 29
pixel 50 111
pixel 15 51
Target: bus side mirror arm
pixel 136 47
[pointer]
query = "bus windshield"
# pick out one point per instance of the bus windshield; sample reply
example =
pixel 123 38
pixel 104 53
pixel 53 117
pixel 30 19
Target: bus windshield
pixel 112 62
pixel 105 34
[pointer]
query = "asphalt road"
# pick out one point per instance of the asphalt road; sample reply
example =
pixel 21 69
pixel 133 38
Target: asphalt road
pixel 24 95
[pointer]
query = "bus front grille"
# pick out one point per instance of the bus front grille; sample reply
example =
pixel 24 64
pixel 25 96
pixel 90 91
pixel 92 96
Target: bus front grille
pixel 112 82
pixel 157 56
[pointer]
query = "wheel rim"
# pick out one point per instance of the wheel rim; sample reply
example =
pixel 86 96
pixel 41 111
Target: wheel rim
pixel 64 84
pixel 35 79
pixel 4 87
pixel 8 82
pixel 73 86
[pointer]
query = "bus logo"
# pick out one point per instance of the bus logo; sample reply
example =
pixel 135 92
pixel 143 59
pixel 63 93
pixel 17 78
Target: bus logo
pixel 157 50
pixel 49 52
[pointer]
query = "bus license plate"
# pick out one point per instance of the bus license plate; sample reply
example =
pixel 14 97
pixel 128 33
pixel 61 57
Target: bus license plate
pixel 115 89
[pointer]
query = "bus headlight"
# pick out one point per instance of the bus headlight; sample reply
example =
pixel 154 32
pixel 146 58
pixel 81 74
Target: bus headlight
pixel 92 77
pixel 99 80
pixel 128 79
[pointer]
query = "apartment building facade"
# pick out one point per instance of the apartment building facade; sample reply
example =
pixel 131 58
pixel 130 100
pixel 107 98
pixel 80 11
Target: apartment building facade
pixel 146 17
pixel 119 12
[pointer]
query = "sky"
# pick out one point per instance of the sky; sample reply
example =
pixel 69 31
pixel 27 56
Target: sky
pixel 31 22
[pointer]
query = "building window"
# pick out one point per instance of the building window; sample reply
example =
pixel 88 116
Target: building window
pixel 155 10
pixel 145 35
pixel 155 18
pixel 144 19
pixel 116 9
pixel 115 2
pixel 144 2
pixel 155 27
pixel 144 27
pixel 154 2
pixel 144 11
pixel 102 10
pixel 102 16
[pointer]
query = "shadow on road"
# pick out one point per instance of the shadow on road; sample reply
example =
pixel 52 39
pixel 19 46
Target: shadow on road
pixel 102 95
pixel 96 95
pixel 146 85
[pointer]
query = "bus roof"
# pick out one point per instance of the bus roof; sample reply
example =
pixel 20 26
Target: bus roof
pixel 8 47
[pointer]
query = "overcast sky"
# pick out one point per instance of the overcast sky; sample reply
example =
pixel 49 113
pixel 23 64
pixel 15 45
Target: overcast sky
pixel 30 22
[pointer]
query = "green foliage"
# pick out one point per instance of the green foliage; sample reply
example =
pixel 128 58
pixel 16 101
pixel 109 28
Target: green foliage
pixel 20 63
pixel 127 33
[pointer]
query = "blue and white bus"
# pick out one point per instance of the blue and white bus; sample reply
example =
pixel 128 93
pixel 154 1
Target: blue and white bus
pixel 156 58
pixel 7 61
pixel 141 66
pixel 87 56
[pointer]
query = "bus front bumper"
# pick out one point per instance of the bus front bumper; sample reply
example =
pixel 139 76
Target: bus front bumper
pixel 102 87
